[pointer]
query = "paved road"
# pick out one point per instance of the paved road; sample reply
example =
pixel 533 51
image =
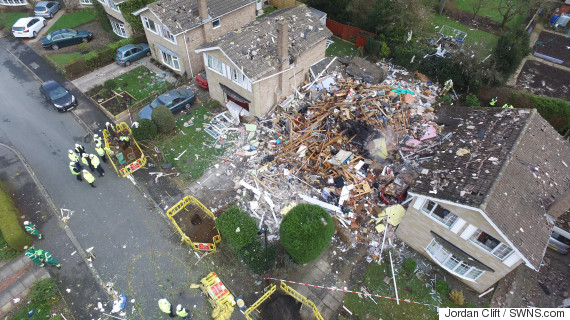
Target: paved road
pixel 136 251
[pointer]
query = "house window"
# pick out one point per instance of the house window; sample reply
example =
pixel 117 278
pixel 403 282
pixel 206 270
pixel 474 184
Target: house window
pixel 149 24
pixel 491 244
pixel 216 23
pixel 119 29
pixel 215 64
pixel 170 60
pixel 439 213
pixel 452 263
pixel 13 2
pixel 167 35
pixel 86 1
pixel 113 6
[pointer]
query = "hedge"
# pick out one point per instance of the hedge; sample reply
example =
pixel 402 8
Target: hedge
pixel 305 232
pixel 163 118
pixel 146 130
pixel 237 227
pixel 13 233
pixel 253 255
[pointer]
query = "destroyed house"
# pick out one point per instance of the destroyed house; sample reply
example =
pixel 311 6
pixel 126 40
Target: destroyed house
pixel 256 67
pixel 479 207
pixel 174 28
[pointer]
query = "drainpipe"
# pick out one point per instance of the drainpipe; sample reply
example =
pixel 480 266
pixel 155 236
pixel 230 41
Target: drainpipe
pixel 188 54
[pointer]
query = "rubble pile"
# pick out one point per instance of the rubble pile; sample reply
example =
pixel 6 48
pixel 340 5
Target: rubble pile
pixel 350 146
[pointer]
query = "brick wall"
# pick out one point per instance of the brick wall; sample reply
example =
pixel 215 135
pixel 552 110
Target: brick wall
pixel 415 231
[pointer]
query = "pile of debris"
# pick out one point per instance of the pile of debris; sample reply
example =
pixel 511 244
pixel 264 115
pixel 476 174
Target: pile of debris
pixel 350 146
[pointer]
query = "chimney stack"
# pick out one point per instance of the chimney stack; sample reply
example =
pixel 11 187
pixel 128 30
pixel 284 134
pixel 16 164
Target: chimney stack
pixel 203 10
pixel 560 206
pixel 283 42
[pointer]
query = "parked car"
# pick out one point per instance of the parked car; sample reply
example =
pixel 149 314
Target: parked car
pixel 57 95
pixel 65 37
pixel 46 9
pixel 559 240
pixel 202 80
pixel 131 52
pixel 28 27
pixel 175 100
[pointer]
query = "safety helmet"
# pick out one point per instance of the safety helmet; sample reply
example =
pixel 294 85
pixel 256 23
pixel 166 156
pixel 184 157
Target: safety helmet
pixel 26 247
pixel 70 151
pixel 26 223
pixel 84 155
pixel 98 145
pixel 77 145
pixel 72 163
pixel 179 307
pixel 83 170
pixel 107 123
pixel 91 156
pixel 40 251
pixel 95 135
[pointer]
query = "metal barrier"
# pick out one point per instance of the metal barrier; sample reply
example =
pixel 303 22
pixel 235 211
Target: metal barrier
pixel 288 290
pixel 131 167
pixel 195 245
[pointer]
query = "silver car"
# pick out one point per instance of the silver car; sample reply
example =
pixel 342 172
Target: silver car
pixel 559 240
pixel 46 9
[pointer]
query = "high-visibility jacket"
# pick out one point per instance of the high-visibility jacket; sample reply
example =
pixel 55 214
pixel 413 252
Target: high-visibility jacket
pixel 73 157
pixel 31 228
pixel 85 160
pixel 493 101
pixel 164 305
pixel 100 151
pixel 182 313
pixel 97 140
pixel 80 150
pixel 74 170
pixel 124 138
pixel 95 161
pixel 109 151
pixel 88 176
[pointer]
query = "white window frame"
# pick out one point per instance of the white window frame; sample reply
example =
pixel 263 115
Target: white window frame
pixel 443 253
pixel 174 62
pixel 13 2
pixel 166 34
pixel 113 6
pixel 215 65
pixel 448 222
pixel 147 23
pixel 496 251
pixel 118 28
pixel 86 1
pixel 214 23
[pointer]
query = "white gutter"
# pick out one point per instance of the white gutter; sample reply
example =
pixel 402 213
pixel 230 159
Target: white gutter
pixel 139 11
pixel 225 55
pixel 188 54
pixel 275 74
pixel 527 262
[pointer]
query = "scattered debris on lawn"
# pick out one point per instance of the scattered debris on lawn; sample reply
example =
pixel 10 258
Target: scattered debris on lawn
pixel 348 145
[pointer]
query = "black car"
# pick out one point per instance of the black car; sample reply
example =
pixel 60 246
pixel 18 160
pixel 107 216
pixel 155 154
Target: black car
pixel 55 93
pixel 65 37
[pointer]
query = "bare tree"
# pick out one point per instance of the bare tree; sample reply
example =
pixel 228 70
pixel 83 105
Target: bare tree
pixel 508 9
pixel 476 5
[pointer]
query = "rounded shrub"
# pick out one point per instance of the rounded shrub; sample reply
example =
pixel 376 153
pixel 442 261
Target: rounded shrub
pixel 410 265
pixel 145 131
pixel 442 287
pixel 43 290
pixel 14 235
pixel 110 84
pixel 163 118
pixel 237 227
pixel 253 255
pixel 472 101
pixel 305 232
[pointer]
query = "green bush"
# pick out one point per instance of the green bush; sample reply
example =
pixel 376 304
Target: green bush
pixel 92 59
pixel 446 99
pixel 384 50
pixel 102 17
pixel 555 111
pixel 237 227
pixel 410 265
pixel 43 290
pixel 511 49
pixel 110 84
pixel 305 232
pixel 14 235
pixel 163 118
pixel 253 255
pixel 442 287
pixel 145 131
pixel 7 253
pixel 471 100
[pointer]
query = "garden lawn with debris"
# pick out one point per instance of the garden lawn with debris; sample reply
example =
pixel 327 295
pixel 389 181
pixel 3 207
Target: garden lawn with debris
pixel 373 281
pixel 190 149
pixel 73 19
pixel 489 10
pixel 340 48
pixel 475 37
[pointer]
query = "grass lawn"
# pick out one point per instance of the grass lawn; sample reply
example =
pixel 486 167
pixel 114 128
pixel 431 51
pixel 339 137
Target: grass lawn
pixel 373 280
pixel 63 58
pixel 474 37
pixel 7 19
pixel 140 83
pixel 490 11
pixel 72 20
pixel 200 153
pixel 340 48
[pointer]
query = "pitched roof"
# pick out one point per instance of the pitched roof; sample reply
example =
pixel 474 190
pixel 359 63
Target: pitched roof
pixel 516 166
pixel 253 48
pixel 181 15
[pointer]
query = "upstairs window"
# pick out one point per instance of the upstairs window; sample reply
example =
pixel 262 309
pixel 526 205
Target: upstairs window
pixel 491 244
pixel 167 35
pixel 149 24
pixel 216 23
pixel 439 213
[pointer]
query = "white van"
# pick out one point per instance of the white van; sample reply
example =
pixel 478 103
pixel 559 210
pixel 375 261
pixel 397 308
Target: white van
pixel 559 240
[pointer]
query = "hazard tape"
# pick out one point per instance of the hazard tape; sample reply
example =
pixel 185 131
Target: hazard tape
pixel 357 292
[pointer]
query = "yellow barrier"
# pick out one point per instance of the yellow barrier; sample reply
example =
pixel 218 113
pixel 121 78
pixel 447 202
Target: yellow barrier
pixel 195 245
pixel 131 167
pixel 288 290
pixel 219 296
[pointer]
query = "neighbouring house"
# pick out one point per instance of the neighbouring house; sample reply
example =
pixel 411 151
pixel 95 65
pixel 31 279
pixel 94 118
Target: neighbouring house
pixel 322 16
pixel 480 204
pixel 258 65
pixel 175 28
pixel 120 25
